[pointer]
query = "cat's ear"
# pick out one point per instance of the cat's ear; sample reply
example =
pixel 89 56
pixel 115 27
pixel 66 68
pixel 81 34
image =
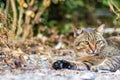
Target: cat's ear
pixel 79 32
pixel 100 29
pixel 76 31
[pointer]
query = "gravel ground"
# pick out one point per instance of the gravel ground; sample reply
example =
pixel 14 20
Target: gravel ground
pixel 42 70
pixel 48 74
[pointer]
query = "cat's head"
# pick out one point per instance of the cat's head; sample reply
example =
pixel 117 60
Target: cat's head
pixel 90 42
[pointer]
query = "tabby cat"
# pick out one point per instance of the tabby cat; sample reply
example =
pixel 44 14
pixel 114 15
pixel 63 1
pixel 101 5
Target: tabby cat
pixel 93 52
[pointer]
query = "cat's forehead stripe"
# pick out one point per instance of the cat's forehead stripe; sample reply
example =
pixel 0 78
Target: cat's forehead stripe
pixel 92 36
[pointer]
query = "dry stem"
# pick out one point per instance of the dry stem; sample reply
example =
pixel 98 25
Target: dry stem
pixel 14 15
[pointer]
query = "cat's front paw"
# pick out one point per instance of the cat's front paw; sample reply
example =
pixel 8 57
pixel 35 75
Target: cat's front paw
pixel 62 64
pixel 100 68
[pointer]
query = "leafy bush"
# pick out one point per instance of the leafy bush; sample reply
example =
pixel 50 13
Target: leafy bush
pixel 27 17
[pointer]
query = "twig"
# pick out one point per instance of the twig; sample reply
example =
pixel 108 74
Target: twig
pixel 32 2
pixel 19 31
pixel 7 7
pixel 74 30
pixel 115 5
pixel 26 26
pixel 14 15
pixel 111 4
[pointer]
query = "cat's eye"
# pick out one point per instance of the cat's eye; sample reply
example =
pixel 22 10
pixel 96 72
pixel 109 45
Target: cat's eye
pixel 86 42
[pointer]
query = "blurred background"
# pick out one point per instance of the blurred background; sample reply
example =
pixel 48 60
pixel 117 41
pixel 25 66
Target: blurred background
pixel 50 20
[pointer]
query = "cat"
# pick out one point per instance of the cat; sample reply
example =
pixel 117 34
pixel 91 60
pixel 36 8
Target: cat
pixel 93 52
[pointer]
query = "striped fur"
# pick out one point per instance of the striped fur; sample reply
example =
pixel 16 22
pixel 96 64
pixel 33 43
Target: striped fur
pixel 94 53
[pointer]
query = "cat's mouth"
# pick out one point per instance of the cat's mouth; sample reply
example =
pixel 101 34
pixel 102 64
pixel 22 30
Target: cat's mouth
pixel 94 53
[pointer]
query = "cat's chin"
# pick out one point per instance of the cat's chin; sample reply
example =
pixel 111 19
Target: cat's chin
pixel 95 54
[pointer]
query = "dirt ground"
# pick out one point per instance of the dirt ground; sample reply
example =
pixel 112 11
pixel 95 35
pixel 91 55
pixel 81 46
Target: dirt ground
pixel 34 62
pixel 42 70
pixel 30 60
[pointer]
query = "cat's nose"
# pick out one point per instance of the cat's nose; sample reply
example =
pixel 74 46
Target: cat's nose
pixel 93 48
pixel 93 51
